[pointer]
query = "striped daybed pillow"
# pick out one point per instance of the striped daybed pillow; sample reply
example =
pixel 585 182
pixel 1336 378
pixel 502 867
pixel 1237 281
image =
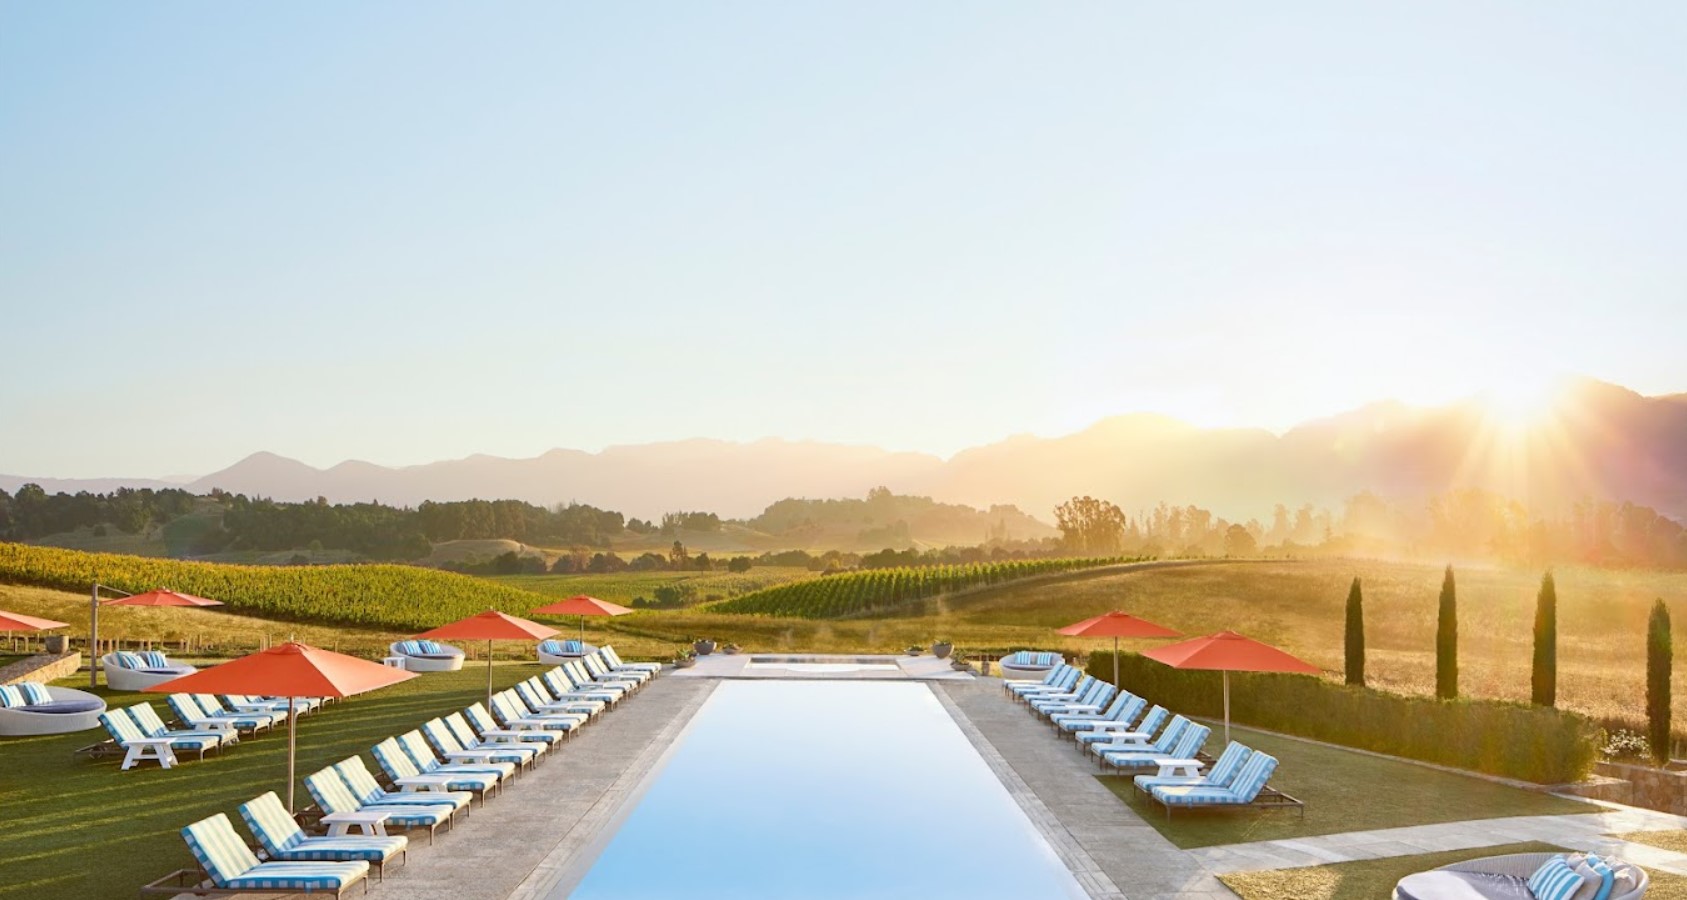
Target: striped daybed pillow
pixel 123 659
pixel 10 695
pixel 154 659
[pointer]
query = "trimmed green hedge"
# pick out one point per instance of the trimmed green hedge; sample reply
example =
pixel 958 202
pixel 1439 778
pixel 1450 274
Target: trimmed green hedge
pixel 1512 740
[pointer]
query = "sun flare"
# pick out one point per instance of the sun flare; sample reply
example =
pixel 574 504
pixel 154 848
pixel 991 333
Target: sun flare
pixel 1520 403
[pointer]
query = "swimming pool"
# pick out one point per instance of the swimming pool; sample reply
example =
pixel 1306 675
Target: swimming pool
pixel 825 790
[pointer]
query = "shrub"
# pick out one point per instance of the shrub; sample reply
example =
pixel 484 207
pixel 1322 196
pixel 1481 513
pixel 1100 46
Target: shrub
pixel 1543 680
pixel 1355 635
pixel 1659 661
pixel 1447 641
pixel 1624 744
pixel 1513 740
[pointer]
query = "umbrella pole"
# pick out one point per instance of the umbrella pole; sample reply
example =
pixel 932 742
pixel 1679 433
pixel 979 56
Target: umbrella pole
pixel 488 673
pixel 1227 706
pixel 94 637
pixel 1115 661
pixel 582 631
pixel 291 744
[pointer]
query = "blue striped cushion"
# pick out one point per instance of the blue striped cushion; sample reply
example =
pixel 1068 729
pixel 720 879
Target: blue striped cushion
pixel 10 695
pixel 1554 880
pixel 300 876
pixel 153 659
pixel 123 659
pixel 218 849
pixel 35 692
pixel 431 647
pixel 345 847
pixel 269 822
pixel 1607 877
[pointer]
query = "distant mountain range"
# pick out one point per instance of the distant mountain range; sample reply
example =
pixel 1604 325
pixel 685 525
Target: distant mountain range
pixel 1600 441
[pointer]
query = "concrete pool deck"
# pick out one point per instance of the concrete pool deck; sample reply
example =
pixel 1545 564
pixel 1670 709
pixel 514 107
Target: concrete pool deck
pixel 876 667
pixel 554 819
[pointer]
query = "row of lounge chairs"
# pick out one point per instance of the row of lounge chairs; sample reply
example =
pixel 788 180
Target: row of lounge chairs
pixel 1165 752
pixel 428 779
pixel 421 655
pixel 206 723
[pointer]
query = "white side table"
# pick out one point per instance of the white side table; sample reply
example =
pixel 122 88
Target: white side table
pixel 396 662
pixel 411 783
pixel 149 748
pixel 1178 768
pixel 364 821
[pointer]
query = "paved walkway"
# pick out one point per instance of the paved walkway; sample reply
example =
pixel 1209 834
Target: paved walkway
pixel 521 844
pixel 1090 828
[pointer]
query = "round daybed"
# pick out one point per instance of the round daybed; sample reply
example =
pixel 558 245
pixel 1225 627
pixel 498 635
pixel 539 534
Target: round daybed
pixel 69 710
pixel 1507 876
pixel 126 671
pixel 555 653
pixel 427 656
pixel 1024 665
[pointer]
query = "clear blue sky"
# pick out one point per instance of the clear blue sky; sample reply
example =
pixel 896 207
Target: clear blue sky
pixel 411 231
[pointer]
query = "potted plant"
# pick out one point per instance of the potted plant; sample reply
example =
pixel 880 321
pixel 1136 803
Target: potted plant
pixel 941 648
pixel 959 664
pixel 685 659
pixel 915 650
pixel 729 649
pixel 703 646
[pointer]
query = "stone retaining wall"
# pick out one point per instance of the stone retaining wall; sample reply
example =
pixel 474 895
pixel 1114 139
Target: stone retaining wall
pixel 1659 789
pixel 44 667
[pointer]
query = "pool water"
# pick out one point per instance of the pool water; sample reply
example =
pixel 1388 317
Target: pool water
pixel 825 790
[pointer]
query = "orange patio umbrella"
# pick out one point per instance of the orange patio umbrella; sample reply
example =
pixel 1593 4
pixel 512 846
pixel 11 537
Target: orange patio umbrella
pixel 582 606
pixel 290 670
pixel 1229 652
pixel 10 621
pixel 490 626
pixel 1118 625
pixel 154 597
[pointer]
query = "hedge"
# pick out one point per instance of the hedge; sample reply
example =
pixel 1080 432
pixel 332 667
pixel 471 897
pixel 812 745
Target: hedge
pixel 1513 740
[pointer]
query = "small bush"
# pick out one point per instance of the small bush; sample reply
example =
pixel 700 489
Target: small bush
pixel 1537 744
pixel 1625 744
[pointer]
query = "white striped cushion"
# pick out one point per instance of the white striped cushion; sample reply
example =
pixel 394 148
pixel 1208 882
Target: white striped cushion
pixel 126 660
pixel 10 696
pixel 1554 880
pixel 34 692
pixel 154 660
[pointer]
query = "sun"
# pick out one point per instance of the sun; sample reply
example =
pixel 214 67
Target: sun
pixel 1519 402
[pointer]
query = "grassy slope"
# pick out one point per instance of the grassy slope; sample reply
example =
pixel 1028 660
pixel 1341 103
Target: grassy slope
pixel 1373 878
pixel 1340 790
pixel 63 813
pixel 623 587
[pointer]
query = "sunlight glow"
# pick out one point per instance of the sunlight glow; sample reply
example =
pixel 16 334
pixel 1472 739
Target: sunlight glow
pixel 1521 402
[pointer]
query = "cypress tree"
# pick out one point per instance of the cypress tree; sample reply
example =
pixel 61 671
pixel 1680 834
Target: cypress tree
pixel 1355 635
pixel 1543 681
pixel 1659 660
pixel 1447 641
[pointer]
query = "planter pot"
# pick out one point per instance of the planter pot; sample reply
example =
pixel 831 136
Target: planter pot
pixel 729 649
pixel 686 663
pixel 704 648
pixel 959 666
pixel 914 651
pixel 942 650
pixel 55 643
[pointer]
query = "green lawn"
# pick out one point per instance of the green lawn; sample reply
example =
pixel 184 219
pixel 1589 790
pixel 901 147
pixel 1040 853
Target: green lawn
pixel 1372 878
pixel 75 827
pixel 1674 840
pixel 1342 791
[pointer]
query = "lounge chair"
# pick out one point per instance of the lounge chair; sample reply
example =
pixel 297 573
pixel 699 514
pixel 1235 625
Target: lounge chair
pixel 404 771
pixel 1508 876
pixel 31 708
pixel 564 696
pixel 1026 664
pixel 1123 731
pixel 1126 707
pixel 445 743
pixel 542 700
pixel 332 795
pixel 540 742
pixel 127 671
pixel 1075 695
pixel 232 868
pixel 192 710
pixel 616 664
pixel 1185 749
pixel 1092 701
pixel 564 684
pixel 242 703
pixel 1060 681
pixel 427 656
pixel 1138 741
pixel 1247 789
pixel 369 793
pixel 583 680
pixel 513 712
pixel 601 670
pixel 555 653
pixel 147 720
pixel 1220 774
pixel 480 719
pixel 139 747
pixel 284 841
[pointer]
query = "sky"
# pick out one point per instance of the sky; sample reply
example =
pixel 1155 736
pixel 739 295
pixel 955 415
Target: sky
pixel 404 232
